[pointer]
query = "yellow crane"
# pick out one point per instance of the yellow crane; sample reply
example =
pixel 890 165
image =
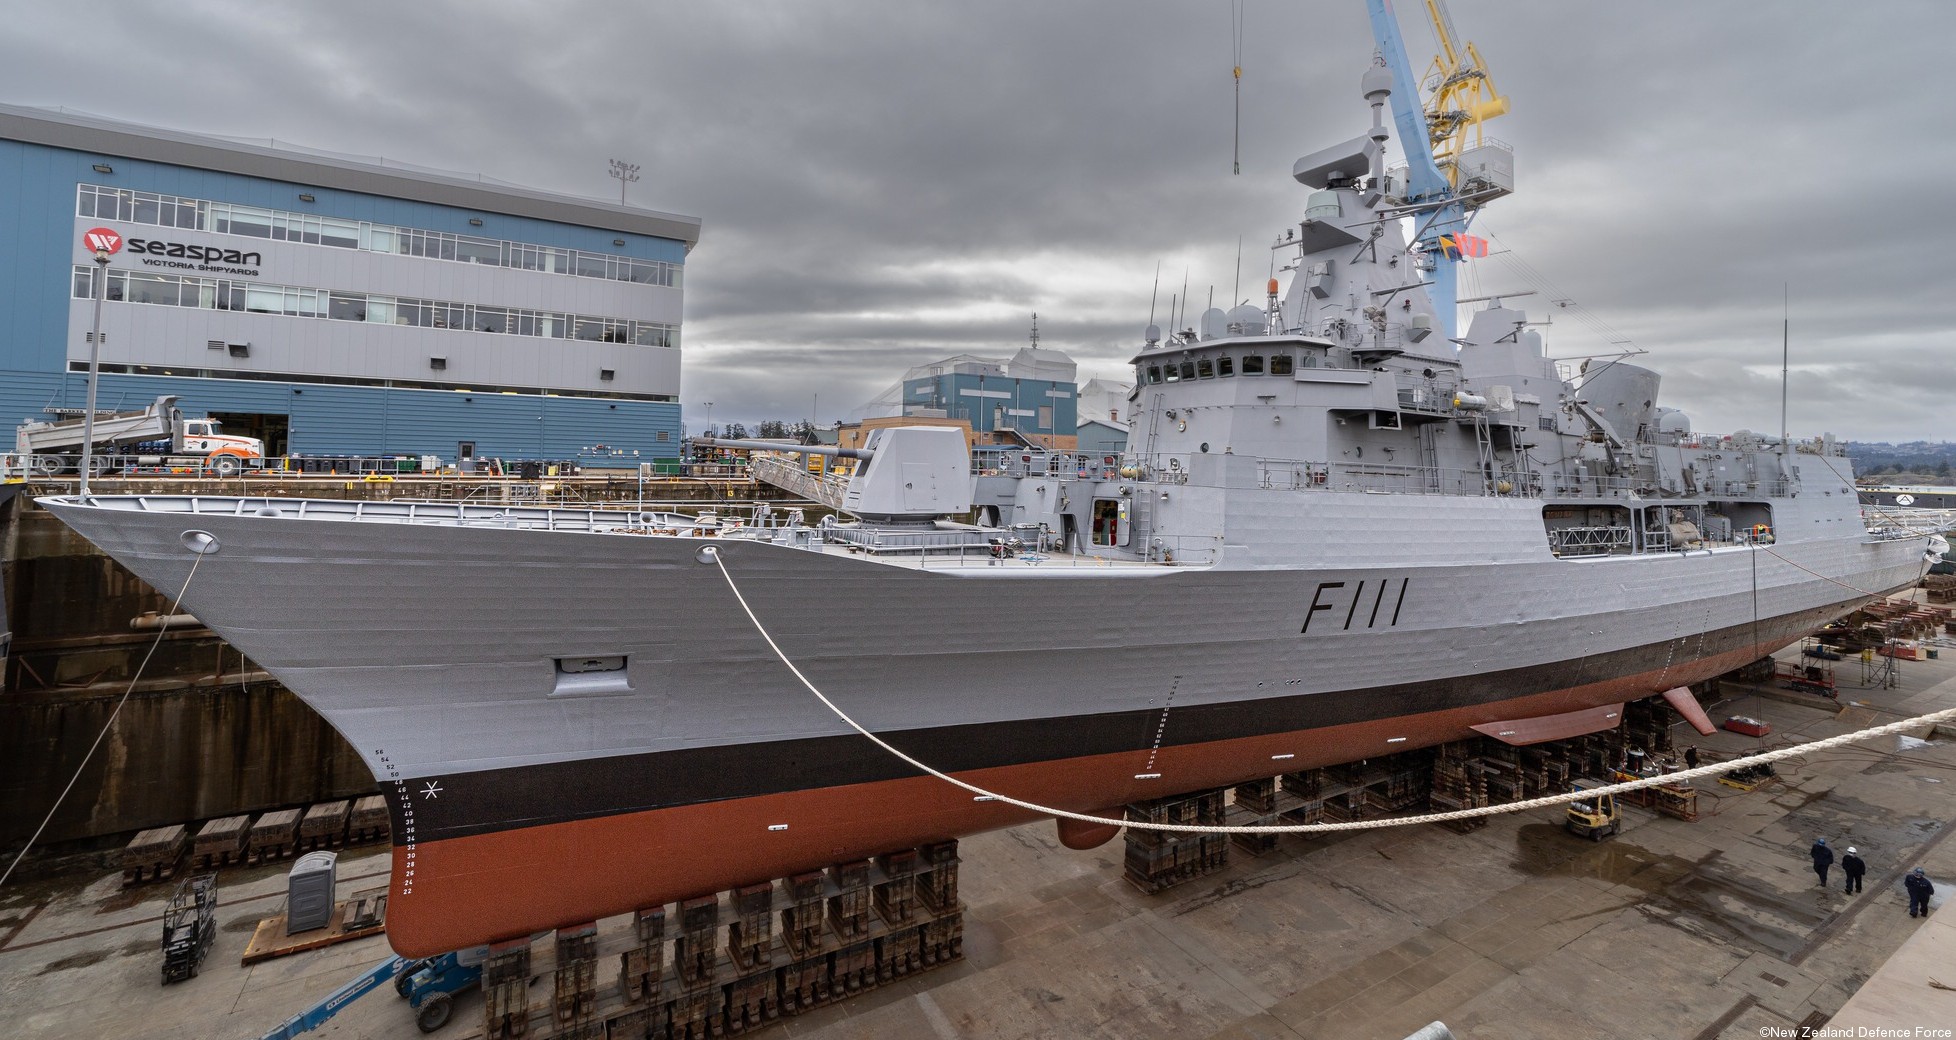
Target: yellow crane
pixel 1460 96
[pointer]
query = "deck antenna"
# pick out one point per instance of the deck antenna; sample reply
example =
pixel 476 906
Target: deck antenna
pixel 1785 347
pixel 1155 294
pixel 1237 289
pixel 1185 296
pixel 1236 19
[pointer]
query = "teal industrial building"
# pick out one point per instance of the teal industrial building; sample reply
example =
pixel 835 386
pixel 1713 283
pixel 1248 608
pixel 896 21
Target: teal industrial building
pixel 333 306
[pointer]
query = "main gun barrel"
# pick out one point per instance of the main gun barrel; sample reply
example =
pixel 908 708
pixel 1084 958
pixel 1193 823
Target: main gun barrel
pixel 809 449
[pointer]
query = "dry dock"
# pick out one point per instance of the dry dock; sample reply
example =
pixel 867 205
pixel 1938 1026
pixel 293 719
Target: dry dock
pixel 1712 928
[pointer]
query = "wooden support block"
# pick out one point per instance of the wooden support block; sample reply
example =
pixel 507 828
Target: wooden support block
pixel 750 935
pixel 899 953
pixel 691 1014
pixel 698 913
pixel 805 985
pixel 752 1002
pixel 943 939
pixel 575 996
pixel 854 967
pixel 220 843
pixel 508 961
pixel 152 855
pixel 366 909
pixel 649 924
pixel 695 954
pixel 577 943
pixel 642 1024
pixel 324 826
pixel 849 907
pixel 937 885
pixel 895 897
pixel 639 971
pixel 506 1007
pixel 274 836
pixel 369 821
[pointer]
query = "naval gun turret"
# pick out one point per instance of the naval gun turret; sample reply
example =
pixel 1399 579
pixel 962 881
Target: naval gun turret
pixel 903 473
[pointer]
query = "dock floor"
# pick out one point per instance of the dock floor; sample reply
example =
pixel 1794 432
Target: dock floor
pixel 1713 928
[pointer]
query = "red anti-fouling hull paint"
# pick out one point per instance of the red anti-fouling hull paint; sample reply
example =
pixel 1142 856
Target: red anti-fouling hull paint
pixel 463 891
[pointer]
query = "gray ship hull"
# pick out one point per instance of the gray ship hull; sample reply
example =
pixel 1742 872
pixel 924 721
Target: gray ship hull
pixel 435 648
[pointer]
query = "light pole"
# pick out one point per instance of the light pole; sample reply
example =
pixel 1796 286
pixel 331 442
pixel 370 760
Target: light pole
pixel 94 367
pixel 626 173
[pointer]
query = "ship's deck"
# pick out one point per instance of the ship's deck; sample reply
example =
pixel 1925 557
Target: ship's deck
pixel 935 547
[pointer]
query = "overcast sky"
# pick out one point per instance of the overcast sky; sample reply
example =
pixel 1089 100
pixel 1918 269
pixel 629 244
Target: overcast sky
pixel 886 183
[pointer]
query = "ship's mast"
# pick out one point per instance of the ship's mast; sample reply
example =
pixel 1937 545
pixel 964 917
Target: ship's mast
pixel 1451 194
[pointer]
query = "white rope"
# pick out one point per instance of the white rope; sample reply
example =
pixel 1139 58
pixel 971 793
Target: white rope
pixel 113 715
pixel 1315 828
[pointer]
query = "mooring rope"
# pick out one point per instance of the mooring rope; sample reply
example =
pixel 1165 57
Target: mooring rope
pixel 113 715
pixel 983 794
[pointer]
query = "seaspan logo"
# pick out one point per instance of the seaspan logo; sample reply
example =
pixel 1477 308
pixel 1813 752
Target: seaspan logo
pixel 101 240
pixel 202 254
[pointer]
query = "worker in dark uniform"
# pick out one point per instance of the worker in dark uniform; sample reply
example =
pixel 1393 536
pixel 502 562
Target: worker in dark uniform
pixel 1853 867
pixel 1823 857
pixel 1691 757
pixel 1919 891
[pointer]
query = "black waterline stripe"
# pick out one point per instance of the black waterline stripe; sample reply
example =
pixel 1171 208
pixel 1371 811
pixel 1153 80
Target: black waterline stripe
pixel 504 799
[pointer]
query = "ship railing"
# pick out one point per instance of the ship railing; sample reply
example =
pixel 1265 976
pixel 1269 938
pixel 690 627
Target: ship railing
pixel 1038 462
pixel 1382 478
pixel 1589 541
pixel 976 547
pixel 1568 485
pixel 1426 396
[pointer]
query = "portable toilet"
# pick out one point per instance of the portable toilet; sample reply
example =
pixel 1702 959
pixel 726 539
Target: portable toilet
pixel 309 892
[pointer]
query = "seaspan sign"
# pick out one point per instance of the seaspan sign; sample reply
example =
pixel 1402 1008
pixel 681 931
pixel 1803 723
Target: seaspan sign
pixel 158 253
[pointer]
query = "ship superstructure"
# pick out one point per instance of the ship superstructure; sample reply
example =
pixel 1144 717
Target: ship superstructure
pixel 1337 533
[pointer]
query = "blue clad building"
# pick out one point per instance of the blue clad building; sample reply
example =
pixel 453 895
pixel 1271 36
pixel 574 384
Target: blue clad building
pixel 332 306
pixel 1028 398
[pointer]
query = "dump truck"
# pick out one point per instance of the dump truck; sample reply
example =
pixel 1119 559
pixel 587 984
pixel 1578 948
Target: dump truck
pixel 159 435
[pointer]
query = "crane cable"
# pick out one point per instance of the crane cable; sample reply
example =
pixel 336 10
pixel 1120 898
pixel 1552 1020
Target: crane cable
pixel 106 726
pixel 713 555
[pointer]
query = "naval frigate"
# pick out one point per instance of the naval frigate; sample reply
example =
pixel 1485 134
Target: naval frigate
pixel 1338 531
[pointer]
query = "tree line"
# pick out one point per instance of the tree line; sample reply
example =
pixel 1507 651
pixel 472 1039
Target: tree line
pixel 802 432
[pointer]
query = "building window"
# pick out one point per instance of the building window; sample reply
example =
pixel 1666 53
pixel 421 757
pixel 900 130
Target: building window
pixel 260 298
pixel 145 207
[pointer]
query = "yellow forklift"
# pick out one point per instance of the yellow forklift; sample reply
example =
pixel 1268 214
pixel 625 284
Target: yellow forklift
pixel 1594 816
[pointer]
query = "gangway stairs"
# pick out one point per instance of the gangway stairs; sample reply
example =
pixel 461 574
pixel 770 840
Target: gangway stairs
pixel 787 472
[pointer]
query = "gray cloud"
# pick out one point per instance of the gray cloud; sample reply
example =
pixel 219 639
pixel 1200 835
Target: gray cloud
pixel 885 183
